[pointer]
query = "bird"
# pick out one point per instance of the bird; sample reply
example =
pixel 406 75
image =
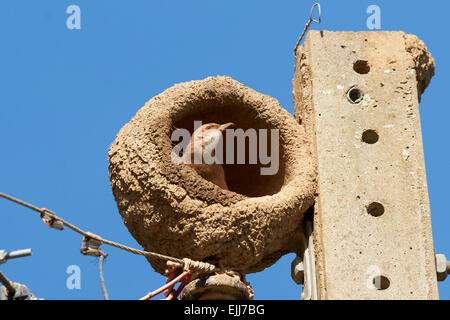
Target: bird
pixel 205 140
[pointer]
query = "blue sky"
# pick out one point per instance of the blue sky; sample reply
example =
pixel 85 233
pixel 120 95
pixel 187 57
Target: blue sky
pixel 64 94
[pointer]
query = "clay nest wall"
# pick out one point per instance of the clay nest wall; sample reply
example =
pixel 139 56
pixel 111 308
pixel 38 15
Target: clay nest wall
pixel 170 209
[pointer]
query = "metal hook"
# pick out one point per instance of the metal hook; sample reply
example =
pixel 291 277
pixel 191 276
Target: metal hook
pixel 308 24
pixel 320 13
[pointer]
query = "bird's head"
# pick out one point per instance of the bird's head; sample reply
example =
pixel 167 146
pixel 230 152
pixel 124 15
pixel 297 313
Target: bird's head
pixel 207 137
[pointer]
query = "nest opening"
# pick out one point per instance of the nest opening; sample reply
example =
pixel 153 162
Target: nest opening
pixel 246 178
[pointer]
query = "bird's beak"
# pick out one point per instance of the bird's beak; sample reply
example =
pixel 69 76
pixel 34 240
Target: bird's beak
pixel 225 126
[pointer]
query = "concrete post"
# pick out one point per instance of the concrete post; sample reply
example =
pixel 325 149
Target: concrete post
pixel 357 95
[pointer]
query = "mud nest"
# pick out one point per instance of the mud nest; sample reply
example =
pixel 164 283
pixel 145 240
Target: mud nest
pixel 170 209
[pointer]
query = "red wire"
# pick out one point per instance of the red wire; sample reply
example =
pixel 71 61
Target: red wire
pixel 170 276
pixel 181 287
pixel 167 285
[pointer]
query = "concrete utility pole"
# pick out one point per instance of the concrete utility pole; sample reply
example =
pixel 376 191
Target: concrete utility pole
pixel 358 95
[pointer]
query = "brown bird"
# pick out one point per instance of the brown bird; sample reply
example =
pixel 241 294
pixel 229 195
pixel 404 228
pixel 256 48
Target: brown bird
pixel 203 142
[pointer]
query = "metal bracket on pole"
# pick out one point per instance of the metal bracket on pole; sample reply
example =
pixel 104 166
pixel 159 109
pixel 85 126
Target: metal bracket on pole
pixel 303 269
pixel 5 256
pixel 310 285
pixel 14 290
pixel 442 267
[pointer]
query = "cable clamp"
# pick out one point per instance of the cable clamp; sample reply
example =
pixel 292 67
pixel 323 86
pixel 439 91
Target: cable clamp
pixel 91 245
pixel 49 218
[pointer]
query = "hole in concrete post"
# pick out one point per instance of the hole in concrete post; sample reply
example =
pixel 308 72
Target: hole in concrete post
pixel 375 209
pixel 355 95
pixel 370 136
pixel 381 282
pixel 361 67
